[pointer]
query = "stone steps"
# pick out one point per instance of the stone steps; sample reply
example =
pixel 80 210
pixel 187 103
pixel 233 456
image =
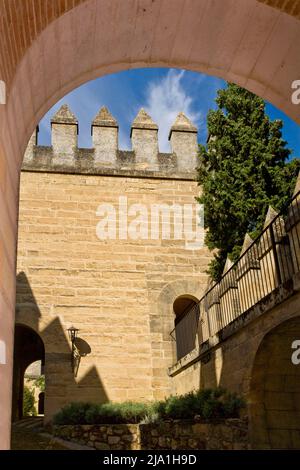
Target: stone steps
pixel 34 423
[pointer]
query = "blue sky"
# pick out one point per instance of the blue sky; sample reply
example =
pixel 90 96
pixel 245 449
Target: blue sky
pixel 163 93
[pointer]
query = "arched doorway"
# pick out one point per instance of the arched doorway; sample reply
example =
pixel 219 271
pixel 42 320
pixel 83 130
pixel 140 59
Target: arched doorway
pixel 185 308
pixel 275 391
pixel 28 348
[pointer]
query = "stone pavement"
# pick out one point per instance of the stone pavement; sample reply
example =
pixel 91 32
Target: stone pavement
pixel 28 434
pixel 24 439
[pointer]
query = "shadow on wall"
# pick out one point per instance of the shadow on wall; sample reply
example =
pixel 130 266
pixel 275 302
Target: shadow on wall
pixel 49 343
pixel 81 349
pixel 208 372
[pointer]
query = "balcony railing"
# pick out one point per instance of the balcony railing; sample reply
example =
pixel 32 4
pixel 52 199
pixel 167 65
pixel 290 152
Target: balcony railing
pixel 268 263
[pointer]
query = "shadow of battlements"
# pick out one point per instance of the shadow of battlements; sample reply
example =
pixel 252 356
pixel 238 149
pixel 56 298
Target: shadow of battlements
pixel 61 384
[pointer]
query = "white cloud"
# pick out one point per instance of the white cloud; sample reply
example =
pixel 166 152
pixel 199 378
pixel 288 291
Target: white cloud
pixel 165 99
pixel 163 94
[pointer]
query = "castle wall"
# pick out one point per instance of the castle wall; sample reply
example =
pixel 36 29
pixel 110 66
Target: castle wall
pixel 119 293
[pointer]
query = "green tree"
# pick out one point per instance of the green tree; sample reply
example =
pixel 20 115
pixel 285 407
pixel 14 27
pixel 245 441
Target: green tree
pixel 243 169
pixel 28 402
pixel 40 383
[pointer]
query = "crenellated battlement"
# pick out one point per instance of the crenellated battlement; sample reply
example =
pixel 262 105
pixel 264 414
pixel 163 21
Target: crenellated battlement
pixel 105 157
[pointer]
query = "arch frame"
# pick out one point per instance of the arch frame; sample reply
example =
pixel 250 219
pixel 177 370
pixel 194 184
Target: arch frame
pixel 273 394
pixel 253 45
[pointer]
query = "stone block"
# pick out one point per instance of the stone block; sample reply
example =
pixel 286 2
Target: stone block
pixel 113 439
pixel 101 446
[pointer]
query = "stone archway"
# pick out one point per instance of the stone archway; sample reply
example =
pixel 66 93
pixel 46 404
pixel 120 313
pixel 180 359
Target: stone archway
pixel 275 390
pixel 163 308
pixel 185 306
pixel 48 49
pixel 28 348
pixel 182 304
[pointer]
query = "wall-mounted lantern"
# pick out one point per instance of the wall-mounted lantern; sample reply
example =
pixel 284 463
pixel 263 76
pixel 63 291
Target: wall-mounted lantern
pixel 73 332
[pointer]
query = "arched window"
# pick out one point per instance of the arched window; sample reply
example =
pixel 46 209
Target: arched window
pixel 186 320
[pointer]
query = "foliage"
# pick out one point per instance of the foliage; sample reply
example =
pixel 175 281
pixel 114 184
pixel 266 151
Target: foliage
pixel 110 413
pixel 115 413
pixel 73 413
pixel 151 417
pixel 28 402
pixel 208 404
pixel 243 169
pixel 40 383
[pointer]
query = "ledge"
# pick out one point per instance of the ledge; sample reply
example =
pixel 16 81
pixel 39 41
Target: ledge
pixel 125 165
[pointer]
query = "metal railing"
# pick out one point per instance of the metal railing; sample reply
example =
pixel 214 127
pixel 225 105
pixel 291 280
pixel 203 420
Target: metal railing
pixel 269 262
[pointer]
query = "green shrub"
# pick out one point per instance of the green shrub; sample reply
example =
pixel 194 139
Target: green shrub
pixel 117 413
pixel 107 413
pixel 28 402
pixel 233 406
pixel 73 413
pixel 209 404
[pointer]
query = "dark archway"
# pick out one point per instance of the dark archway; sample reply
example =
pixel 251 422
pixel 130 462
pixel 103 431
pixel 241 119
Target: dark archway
pixel 185 307
pixel 28 348
pixel 41 403
pixel 275 391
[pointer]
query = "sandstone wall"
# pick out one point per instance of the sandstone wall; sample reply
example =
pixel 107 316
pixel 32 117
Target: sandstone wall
pixel 119 293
